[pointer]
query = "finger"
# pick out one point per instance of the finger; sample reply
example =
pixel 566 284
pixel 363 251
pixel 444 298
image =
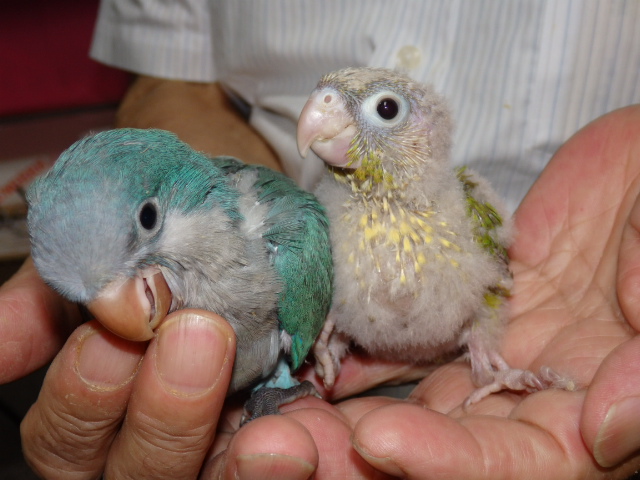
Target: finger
pixel 628 282
pixel 446 388
pixel 535 442
pixel 34 323
pixel 332 437
pixel 176 401
pixel 68 431
pixel 271 447
pixel 311 436
pixel 355 408
pixel 610 421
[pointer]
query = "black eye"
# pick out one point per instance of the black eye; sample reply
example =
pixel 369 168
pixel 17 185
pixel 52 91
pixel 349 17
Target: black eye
pixel 387 108
pixel 148 216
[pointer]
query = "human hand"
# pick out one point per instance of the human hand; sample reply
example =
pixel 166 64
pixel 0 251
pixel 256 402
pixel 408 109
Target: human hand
pixel 132 410
pixel 128 409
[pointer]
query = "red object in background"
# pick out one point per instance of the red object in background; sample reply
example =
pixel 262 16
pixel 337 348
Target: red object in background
pixel 44 58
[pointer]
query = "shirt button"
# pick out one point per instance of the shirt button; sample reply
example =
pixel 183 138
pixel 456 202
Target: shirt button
pixel 408 57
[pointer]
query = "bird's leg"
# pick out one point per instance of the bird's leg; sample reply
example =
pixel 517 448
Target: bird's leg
pixel 328 349
pixel 324 360
pixel 279 389
pixel 267 400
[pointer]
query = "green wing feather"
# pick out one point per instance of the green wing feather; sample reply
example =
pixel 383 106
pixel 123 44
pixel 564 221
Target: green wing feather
pixel 486 219
pixel 298 237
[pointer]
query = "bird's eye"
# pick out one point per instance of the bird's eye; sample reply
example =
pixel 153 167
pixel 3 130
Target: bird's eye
pixel 385 109
pixel 148 216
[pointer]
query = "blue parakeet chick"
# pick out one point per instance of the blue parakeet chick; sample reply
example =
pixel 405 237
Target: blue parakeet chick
pixel 135 224
pixel 420 248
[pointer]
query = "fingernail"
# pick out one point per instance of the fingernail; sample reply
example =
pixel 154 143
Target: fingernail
pixel 107 363
pixel 268 466
pixel 385 464
pixel 191 351
pixel 618 436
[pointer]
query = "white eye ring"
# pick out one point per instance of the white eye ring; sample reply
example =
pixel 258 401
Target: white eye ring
pixel 385 109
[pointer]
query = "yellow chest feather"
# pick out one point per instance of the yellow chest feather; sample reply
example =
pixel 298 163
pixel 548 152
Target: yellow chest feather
pixel 397 242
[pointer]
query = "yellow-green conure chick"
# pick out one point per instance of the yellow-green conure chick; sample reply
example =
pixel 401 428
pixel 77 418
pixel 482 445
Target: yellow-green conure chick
pixel 420 249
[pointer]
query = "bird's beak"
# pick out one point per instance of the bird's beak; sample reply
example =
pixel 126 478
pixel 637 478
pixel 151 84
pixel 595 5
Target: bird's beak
pixel 326 127
pixel 133 307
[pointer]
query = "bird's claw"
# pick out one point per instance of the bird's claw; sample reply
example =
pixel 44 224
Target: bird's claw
pixel 518 380
pixel 267 400
pixel 328 351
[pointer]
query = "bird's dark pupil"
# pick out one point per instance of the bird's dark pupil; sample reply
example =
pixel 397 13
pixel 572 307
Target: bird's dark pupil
pixel 148 216
pixel 388 108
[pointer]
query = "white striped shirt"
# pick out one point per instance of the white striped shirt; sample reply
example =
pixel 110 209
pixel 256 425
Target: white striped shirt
pixel 520 76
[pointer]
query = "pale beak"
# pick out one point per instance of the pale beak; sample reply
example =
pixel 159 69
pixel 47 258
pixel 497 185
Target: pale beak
pixel 326 127
pixel 133 307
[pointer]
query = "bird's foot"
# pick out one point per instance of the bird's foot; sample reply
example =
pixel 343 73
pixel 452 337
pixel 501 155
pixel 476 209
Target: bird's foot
pixel 267 400
pixel 520 381
pixel 328 350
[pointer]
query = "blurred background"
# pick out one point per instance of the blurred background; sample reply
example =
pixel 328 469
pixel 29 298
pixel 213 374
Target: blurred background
pixel 51 94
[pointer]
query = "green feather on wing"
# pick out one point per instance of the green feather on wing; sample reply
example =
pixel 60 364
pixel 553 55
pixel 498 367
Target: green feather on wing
pixel 299 231
pixel 486 219
pixel 298 237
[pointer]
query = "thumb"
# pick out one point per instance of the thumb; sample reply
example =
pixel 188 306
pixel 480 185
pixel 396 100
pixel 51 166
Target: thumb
pixel 610 422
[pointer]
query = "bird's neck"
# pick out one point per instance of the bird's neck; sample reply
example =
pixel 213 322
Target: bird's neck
pixel 371 182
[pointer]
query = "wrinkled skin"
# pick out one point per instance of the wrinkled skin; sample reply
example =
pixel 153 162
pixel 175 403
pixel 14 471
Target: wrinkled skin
pixel 576 262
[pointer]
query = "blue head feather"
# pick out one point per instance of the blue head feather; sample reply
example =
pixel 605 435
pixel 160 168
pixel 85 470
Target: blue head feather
pixel 137 168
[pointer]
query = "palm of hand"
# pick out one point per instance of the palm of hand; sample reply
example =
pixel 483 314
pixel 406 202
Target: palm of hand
pixel 575 267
